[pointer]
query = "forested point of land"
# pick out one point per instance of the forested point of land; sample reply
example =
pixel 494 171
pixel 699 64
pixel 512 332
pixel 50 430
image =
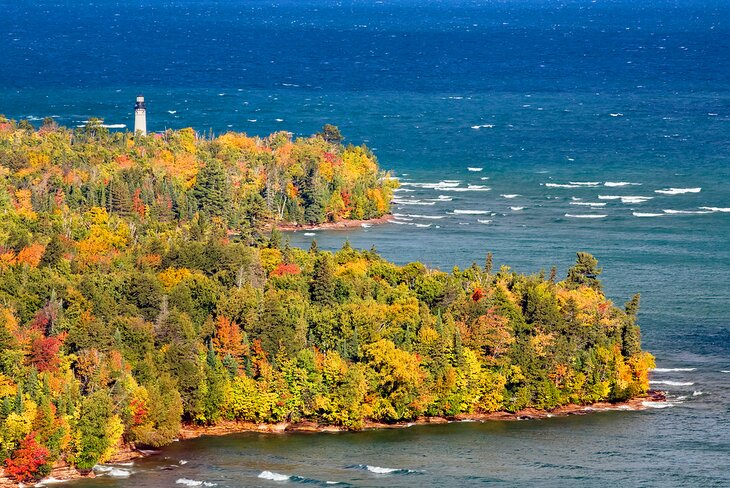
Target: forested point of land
pixel 142 288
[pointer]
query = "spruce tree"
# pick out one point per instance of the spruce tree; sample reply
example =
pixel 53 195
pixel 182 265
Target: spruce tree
pixel 212 189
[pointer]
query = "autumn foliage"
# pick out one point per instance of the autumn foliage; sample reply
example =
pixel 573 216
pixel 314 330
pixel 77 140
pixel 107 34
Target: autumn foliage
pixel 26 462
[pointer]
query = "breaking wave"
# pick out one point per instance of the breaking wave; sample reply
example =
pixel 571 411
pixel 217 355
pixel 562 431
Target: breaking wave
pixel 270 475
pixel 586 216
pixel 189 482
pixel 677 191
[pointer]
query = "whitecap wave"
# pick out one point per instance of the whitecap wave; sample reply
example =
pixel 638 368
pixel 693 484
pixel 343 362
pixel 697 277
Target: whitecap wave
pixel 561 185
pixel 589 204
pixel 482 126
pixel 696 393
pixel 114 126
pixel 423 226
pixel 418 216
pixel 189 482
pixel 671 383
pixel 270 475
pixel 717 209
pixel 586 216
pixel 617 114
pixel 635 199
pixel 379 470
pixel 620 183
pixel 366 226
pixel 677 191
pixel 671 370
pixel 399 201
pixel 646 214
pixel 475 170
pixel 444 198
pixel 433 186
pixel 685 212
pixel 483 221
pixel 510 195
pixel 470 212
pixel 649 404
pixel 469 188
pixel 516 209
pixel 382 470
pixel 310 234
pixel 625 198
pixel 585 183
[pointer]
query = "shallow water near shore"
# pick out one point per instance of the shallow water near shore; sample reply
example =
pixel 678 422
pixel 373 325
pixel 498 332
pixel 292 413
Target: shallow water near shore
pixel 529 129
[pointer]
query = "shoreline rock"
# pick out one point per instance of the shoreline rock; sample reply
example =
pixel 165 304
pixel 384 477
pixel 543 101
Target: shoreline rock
pixel 62 471
pixel 341 225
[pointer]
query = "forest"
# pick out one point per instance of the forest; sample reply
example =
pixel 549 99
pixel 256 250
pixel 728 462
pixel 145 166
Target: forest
pixel 143 286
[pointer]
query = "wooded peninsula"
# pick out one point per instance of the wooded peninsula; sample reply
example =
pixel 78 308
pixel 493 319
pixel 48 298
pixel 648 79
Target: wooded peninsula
pixel 144 286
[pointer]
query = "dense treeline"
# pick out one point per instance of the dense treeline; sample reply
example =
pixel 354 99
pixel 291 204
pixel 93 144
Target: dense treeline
pixel 172 176
pixel 115 326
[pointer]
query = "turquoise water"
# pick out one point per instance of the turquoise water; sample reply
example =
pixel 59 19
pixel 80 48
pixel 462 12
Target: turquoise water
pixel 557 103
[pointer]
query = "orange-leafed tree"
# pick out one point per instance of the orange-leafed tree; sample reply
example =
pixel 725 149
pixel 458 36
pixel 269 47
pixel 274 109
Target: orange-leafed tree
pixel 228 338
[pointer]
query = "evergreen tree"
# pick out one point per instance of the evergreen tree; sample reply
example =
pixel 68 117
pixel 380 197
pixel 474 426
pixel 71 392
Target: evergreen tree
pixel 212 189
pixel 322 286
pixel 585 272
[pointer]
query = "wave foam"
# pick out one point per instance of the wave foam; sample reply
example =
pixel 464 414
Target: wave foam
pixel 620 183
pixel 696 393
pixel 50 481
pixel 672 383
pixel 678 191
pixel 189 482
pixel 685 212
pixel 670 370
pixel 418 216
pixel 560 185
pixel 589 204
pixel 433 186
pixel 119 473
pixel 470 212
pixel 657 404
pixel 270 475
pixel 717 209
pixel 586 216
pixel 381 470
pixel 646 214
pixel 475 170
pixel 482 126
pixel 516 209
pixel 483 221
pixel 585 183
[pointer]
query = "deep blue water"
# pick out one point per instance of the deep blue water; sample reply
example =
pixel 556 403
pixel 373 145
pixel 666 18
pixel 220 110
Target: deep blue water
pixel 536 94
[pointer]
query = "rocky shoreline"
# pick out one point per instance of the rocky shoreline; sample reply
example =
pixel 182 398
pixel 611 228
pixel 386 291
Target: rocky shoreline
pixel 64 472
pixel 341 225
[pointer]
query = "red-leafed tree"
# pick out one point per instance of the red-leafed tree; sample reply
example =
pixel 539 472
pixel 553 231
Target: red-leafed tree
pixel 26 462
pixel 286 269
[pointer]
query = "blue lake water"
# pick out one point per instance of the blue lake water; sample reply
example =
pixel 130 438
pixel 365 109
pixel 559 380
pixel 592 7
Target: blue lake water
pixel 587 126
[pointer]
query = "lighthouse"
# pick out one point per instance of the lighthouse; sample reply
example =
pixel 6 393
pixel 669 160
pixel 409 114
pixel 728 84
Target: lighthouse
pixel 140 116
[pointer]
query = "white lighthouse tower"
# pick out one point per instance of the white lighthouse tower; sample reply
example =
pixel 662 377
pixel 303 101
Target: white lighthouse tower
pixel 140 116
